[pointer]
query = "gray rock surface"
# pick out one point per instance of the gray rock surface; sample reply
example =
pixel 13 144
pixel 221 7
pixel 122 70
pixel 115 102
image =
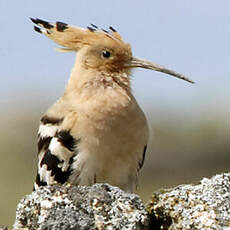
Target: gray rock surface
pixel 203 206
pixel 100 206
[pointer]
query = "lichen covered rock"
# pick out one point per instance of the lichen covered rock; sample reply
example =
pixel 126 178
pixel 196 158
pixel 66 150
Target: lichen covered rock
pixel 203 206
pixel 100 206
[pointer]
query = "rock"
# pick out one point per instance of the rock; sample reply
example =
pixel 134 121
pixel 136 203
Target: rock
pixel 100 206
pixel 203 206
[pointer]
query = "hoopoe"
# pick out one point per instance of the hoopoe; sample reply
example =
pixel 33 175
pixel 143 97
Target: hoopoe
pixel 96 132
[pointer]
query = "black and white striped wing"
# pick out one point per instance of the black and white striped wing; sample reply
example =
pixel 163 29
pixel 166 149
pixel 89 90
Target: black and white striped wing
pixel 55 152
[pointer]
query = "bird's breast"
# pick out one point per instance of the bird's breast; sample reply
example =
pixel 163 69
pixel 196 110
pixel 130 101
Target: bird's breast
pixel 110 114
pixel 113 133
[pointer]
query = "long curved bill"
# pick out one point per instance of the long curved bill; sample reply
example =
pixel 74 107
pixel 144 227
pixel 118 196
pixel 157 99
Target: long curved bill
pixel 137 62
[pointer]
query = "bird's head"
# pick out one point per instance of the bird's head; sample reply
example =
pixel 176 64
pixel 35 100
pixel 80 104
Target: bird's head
pixel 98 49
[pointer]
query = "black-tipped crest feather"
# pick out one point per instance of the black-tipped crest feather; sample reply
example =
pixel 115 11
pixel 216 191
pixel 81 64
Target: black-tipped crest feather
pixel 45 24
pixel 61 26
pixel 37 29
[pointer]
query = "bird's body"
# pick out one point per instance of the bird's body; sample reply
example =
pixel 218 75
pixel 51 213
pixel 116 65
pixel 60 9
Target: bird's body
pixel 109 130
pixel 96 132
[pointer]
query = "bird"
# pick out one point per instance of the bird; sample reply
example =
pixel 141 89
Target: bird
pixel 96 132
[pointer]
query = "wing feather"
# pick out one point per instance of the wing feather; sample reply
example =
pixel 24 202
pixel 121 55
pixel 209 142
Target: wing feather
pixel 141 162
pixel 56 150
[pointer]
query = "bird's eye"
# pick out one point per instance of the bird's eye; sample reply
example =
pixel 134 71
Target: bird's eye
pixel 106 54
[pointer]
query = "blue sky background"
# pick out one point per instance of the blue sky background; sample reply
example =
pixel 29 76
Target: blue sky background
pixel 189 36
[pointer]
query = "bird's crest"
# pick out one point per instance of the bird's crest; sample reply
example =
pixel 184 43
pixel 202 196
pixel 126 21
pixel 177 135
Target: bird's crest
pixel 74 38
